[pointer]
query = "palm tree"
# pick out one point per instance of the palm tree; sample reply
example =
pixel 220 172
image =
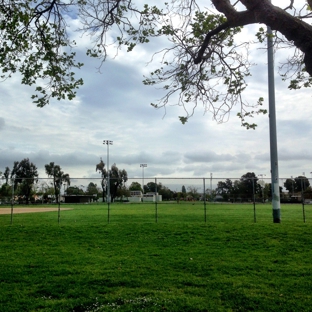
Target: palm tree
pixel 58 176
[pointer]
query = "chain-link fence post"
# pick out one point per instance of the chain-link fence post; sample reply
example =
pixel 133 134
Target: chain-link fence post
pixel 302 199
pixel 156 208
pixel 254 199
pixel 205 208
pixel 12 201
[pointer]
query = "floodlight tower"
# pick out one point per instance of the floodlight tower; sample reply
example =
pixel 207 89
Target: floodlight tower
pixel 143 166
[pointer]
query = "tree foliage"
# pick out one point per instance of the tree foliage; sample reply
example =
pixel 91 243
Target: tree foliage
pixel 193 192
pixel 92 189
pixel 249 184
pixel 152 187
pixel 6 191
pixel 301 183
pixel 122 192
pixel 74 190
pixel 58 176
pixel 6 174
pixel 244 188
pixel 24 175
pixel 298 184
pixel 35 43
pixel 204 63
pixel 289 185
pixel 117 179
pixel 166 193
pixel 100 167
pixel 135 186
pixel 225 189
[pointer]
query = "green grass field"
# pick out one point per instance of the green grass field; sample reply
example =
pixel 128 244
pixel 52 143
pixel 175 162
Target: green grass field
pixel 179 263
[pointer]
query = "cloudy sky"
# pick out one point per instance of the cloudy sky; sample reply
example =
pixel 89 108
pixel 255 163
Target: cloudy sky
pixel 115 105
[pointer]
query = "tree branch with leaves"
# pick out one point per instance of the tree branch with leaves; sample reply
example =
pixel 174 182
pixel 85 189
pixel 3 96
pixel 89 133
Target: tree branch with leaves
pixel 203 64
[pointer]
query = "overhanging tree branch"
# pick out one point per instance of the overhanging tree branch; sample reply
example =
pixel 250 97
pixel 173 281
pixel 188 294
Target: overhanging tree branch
pixel 203 62
pixel 200 54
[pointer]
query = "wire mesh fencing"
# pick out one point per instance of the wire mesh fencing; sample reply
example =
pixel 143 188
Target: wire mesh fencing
pixel 194 196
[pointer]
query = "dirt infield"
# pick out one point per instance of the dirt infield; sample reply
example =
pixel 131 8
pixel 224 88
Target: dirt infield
pixel 29 210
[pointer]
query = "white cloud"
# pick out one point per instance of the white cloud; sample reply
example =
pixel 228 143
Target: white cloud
pixel 2 123
pixel 115 105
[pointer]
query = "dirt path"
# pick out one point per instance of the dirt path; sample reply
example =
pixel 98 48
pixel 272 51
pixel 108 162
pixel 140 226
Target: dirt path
pixel 29 210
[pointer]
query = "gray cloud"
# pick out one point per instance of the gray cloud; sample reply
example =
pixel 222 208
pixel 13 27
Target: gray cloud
pixel 2 123
pixel 115 105
pixel 207 157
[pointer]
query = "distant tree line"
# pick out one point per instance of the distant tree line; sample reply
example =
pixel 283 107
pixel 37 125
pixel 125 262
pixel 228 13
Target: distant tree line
pixel 243 189
pixel 249 187
pixel 23 182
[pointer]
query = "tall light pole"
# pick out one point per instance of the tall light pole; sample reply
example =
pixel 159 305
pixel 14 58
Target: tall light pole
pixel 143 166
pixel 276 202
pixel 108 143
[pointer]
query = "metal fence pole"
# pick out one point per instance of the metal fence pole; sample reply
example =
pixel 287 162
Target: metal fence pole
pixel 59 206
pixel 302 199
pixel 205 209
pixel 12 201
pixel 156 208
pixel 254 199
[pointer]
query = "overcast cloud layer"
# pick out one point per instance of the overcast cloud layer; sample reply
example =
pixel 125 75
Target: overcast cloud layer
pixel 115 105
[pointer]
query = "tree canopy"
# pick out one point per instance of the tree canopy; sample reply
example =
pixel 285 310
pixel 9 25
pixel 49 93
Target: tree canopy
pixel 117 179
pixel 100 167
pixel 244 188
pixel 204 62
pixel 92 189
pixel 135 186
pixel 24 175
pixel 298 184
pixel 58 176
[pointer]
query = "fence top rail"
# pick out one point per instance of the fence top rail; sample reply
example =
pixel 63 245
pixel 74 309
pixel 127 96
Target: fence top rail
pixel 168 178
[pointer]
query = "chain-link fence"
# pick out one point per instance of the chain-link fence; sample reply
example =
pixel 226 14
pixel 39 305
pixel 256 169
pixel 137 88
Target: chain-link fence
pixel 47 191
pixel 247 189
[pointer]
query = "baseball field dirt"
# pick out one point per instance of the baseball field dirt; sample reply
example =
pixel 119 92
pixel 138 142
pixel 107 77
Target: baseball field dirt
pixel 29 210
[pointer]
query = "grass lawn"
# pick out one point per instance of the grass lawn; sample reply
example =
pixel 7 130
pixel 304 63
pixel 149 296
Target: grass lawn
pixel 179 263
